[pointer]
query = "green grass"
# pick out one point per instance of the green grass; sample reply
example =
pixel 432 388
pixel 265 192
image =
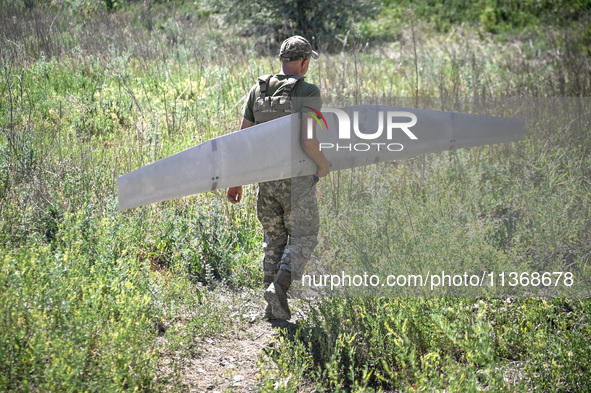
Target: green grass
pixel 436 344
pixel 87 291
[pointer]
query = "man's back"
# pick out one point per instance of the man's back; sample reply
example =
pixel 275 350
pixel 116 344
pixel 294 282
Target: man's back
pixel 290 219
pixel 303 94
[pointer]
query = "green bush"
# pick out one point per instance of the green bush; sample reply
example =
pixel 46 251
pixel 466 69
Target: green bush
pixel 76 320
pixel 495 16
pixel 406 344
pixel 324 23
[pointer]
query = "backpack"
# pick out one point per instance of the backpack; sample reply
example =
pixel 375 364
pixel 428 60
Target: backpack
pixel 268 108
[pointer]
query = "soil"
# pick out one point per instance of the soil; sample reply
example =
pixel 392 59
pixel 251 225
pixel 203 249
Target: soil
pixel 229 362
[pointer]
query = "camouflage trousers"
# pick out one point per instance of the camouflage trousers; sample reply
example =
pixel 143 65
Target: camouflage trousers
pixel 288 211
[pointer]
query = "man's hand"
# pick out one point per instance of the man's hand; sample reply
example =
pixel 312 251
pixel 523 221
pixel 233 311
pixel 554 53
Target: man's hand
pixel 311 146
pixel 234 194
pixel 324 169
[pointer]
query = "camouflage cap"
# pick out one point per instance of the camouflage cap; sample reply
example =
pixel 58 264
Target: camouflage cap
pixel 296 48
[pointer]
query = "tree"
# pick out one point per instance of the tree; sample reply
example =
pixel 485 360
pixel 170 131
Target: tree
pixel 320 21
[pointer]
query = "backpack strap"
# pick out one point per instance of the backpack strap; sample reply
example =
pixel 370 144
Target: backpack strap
pixel 263 83
pixel 290 84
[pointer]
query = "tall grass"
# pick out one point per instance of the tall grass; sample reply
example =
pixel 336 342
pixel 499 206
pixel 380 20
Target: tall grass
pixel 521 207
pixel 87 290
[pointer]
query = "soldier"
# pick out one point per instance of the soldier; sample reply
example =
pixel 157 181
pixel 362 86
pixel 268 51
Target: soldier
pixel 287 209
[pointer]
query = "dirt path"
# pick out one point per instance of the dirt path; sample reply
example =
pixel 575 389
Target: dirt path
pixel 228 362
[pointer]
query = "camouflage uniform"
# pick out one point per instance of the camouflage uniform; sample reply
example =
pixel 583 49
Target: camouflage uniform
pixel 288 211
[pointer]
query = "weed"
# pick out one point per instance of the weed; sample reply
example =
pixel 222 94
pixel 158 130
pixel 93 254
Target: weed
pixel 89 291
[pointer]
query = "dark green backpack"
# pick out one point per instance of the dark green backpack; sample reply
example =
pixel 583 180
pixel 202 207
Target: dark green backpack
pixel 268 108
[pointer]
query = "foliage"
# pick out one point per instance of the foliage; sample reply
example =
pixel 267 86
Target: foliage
pixel 269 23
pixel 495 16
pixel 89 293
pixel 74 319
pixel 356 344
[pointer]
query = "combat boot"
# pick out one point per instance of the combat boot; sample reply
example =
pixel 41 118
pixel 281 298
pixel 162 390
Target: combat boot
pixel 268 279
pixel 276 295
pixel 269 313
